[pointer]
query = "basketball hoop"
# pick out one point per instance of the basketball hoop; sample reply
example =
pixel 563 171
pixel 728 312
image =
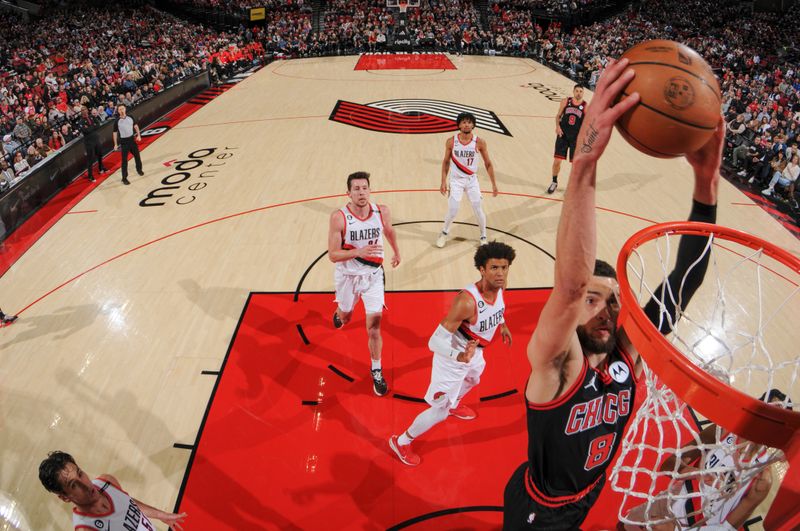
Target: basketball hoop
pixel 708 351
pixel 402 5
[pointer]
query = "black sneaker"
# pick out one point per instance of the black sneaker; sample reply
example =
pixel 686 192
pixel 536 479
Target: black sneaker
pixel 378 383
pixel 337 323
pixel 91 179
pixel 552 187
pixel 8 319
pixel 125 180
pixel 140 172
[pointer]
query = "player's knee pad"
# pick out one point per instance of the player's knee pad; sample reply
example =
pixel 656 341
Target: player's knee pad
pixel 472 380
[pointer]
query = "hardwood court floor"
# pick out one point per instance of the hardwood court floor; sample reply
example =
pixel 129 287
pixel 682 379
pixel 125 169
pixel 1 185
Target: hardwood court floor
pixel 109 366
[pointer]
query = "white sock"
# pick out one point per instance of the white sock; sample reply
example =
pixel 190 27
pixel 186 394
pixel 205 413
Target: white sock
pixel 376 364
pixel 404 439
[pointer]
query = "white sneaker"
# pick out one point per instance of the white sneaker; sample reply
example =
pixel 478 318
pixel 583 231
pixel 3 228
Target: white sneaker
pixel 484 240
pixel 441 240
pixel 741 173
pixel 751 180
pixel 767 191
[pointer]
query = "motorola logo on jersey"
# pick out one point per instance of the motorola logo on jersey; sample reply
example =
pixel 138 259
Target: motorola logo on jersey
pixel 619 371
pixel 412 116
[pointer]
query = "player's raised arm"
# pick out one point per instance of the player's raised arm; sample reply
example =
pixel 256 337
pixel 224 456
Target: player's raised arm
pixel 487 162
pixel 692 257
pixel 576 240
pixel 448 151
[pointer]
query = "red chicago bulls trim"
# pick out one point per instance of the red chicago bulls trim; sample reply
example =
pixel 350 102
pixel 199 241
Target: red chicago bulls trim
pixel 555 501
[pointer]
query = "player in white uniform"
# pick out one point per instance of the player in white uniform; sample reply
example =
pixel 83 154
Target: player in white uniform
pixel 457 344
pixel 100 504
pixel 460 174
pixel 355 245
pixel 715 508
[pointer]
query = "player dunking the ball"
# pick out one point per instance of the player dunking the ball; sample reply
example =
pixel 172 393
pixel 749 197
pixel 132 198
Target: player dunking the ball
pixel 568 123
pixel 460 174
pixel 355 245
pixel 580 392
pixel 457 344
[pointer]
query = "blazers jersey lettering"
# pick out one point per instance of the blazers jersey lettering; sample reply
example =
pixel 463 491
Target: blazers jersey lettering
pixel 464 158
pixel 124 515
pixel 359 233
pixel 488 317
pixel 572 439
pixel 572 118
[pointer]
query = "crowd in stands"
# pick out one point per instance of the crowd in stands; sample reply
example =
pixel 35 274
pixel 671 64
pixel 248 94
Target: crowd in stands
pixel 760 88
pixel 241 7
pixel 97 58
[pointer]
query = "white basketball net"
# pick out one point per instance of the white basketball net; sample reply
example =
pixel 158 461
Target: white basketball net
pixel 738 327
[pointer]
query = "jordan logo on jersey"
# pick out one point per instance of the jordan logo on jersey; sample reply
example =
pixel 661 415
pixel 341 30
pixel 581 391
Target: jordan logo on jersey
pixel 588 415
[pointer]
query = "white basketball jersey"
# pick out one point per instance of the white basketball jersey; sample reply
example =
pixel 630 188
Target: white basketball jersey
pixel 125 515
pixel 487 318
pixel 715 506
pixel 359 233
pixel 464 158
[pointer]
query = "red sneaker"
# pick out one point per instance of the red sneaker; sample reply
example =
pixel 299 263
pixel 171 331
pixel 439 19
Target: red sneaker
pixel 463 412
pixel 405 453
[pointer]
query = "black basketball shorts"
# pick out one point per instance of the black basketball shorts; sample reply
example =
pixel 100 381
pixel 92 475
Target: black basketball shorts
pixel 521 512
pixel 565 143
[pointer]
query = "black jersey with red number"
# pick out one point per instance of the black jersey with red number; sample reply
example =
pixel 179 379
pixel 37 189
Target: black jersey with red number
pixel 572 118
pixel 572 439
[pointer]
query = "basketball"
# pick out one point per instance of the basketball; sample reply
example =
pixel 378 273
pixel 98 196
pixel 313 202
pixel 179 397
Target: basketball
pixel 680 99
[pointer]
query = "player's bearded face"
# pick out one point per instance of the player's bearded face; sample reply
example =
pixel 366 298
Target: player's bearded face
pixel 466 127
pixel 598 334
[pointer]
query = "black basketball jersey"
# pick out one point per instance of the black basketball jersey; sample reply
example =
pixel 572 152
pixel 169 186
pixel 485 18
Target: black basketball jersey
pixel 572 118
pixel 572 439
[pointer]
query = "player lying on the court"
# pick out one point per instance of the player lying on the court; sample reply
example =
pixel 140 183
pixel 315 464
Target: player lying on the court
pixel 460 174
pixel 580 392
pixel 710 509
pixel 355 246
pixel 457 345
pixel 100 504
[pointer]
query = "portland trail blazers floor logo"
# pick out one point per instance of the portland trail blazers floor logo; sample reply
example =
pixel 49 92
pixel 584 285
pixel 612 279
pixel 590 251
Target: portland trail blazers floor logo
pixel 412 116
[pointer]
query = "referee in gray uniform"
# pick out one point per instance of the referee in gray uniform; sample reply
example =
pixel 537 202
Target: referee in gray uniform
pixel 124 129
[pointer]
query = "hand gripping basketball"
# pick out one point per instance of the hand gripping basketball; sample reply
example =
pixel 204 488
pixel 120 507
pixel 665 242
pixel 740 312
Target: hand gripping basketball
pixel 600 115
